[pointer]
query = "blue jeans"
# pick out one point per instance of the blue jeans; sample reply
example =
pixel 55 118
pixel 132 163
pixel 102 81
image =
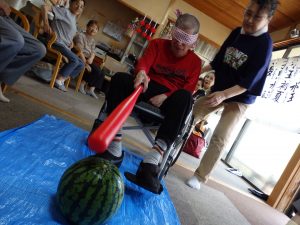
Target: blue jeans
pixel 19 51
pixel 75 64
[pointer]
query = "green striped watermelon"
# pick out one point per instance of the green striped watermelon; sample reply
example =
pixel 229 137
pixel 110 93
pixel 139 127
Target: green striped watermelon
pixel 90 191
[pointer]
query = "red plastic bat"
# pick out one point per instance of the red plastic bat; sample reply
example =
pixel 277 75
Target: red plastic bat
pixel 104 134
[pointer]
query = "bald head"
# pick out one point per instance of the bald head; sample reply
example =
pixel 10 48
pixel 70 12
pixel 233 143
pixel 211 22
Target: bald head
pixel 187 22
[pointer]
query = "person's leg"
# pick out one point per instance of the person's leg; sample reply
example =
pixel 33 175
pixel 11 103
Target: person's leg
pixel 79 66
pixel 68 68
pixel 175 109
pixel 231 115
pixel 96 77
pixel 29 51
pixel 94 80
pixel 121 86
pixel 11 43
pixel 82 87
pixel 200 112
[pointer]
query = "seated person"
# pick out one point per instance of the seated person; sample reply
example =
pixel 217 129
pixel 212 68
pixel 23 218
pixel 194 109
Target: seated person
pixel 204 84
pixel 93 78
pixel 64 25
pixel 19 50
pixel 169 72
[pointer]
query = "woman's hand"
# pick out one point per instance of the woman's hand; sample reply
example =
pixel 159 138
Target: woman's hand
pixel 5 8
pixel 89 60
pixel 215 99
pixel 158 100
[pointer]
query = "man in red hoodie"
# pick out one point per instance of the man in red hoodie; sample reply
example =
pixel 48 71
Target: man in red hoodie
pixel 169 71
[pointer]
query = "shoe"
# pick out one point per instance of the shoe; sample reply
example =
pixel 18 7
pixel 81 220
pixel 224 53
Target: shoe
pixel 60 86
pixel 194 182
pixel 117 161
pixel 146 177
pixel 235 171
pixel 81 88
pixel 92 93
pixel 258 194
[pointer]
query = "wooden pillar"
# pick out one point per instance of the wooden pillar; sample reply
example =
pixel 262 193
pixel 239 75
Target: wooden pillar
pixel 288 185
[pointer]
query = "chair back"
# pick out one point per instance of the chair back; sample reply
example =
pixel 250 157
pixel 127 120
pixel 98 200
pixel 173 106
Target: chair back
pixel 19 18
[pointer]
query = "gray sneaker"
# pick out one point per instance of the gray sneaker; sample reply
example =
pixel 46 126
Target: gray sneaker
pixel 60 87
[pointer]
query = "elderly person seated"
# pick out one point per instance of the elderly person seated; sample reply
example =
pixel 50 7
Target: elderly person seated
pixel 19 50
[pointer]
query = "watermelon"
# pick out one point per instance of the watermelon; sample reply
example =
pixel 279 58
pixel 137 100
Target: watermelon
pixel 90 191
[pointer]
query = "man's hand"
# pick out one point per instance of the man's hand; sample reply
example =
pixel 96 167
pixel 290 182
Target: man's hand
pixel 215 99
pixel 4 7
pixel 158 100
pixel 141 78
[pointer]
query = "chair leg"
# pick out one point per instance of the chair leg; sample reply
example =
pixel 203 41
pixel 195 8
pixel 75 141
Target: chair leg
pixel 79 79
pixel 67 82
pixel 55 71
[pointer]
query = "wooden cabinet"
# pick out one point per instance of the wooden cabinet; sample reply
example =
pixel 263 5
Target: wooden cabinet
pixel 136 47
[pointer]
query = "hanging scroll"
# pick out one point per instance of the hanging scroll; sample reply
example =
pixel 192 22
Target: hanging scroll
pixel 283 81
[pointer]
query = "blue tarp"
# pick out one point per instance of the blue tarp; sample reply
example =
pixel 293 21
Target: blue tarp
pixel 34 157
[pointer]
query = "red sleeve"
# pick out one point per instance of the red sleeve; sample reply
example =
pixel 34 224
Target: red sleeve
pixel 147 60
pixel 192 81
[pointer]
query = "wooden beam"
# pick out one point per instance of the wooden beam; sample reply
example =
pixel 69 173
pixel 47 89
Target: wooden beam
pixel 286 43
pixel 287 186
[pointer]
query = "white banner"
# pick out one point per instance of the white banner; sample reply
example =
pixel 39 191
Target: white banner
pixel 283 81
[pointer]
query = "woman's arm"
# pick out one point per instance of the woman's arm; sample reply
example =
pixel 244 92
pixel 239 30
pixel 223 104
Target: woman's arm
pixel 218 97
pixel 45 10
pixel 91 58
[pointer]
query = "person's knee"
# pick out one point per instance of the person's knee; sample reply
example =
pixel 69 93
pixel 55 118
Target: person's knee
pixel 80 64
pixel 16 42
pixel 40 50
pixel 73 59
pixel 121 78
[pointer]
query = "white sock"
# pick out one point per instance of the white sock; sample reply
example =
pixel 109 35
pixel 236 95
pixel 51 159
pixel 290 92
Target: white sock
pixel 194 182
pixel 92 93
pixel 2 97
pixel 115 147
pixel 81 88
pixel 153 157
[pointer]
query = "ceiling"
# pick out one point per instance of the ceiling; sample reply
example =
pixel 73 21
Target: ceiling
pixel 230 12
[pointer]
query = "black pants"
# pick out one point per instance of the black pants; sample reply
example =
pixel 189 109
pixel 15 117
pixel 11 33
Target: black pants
pixel 175 108
pixel 95 77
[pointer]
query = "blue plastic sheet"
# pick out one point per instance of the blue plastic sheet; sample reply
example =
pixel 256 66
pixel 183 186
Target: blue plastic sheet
pixel 32 160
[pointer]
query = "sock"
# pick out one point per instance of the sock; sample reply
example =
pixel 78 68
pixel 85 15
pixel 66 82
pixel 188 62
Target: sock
pixel 115 147
pixel 161 144
pixel 2 97
pixel 194 182
pixel 81 88
pixel 153 157
pixel 92 93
